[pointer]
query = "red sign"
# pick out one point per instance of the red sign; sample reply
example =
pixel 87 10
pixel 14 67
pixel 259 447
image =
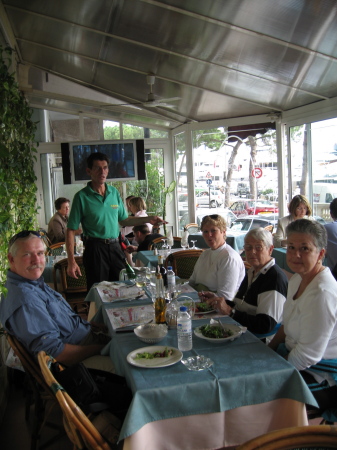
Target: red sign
pixel 257 172
pixel 208 175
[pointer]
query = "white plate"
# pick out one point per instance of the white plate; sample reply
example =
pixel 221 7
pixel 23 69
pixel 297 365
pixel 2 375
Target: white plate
pixel 237 331
pixel 155 362
pixel 200 313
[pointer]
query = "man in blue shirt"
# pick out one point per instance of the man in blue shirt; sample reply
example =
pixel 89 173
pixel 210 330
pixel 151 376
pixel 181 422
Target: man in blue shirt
pixel 100 210
pixel 39 317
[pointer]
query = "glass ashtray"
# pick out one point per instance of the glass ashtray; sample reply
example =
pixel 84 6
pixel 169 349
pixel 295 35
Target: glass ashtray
pixel 197 363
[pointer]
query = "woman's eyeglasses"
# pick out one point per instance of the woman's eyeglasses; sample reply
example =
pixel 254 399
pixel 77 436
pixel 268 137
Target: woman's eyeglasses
pixel 23 234
pixel 257 248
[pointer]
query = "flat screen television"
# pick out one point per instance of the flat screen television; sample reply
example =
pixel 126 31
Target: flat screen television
pixel 126 160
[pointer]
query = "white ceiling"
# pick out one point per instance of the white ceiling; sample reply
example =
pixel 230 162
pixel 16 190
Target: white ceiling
pixel 220 58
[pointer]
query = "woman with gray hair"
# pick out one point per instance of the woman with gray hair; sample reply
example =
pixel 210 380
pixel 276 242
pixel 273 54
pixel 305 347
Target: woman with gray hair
pixel 258 304
pixel 308 335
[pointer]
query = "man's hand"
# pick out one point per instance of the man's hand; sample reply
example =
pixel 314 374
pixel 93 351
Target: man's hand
pixel 131 248
pixel 73 270
pixel 156 220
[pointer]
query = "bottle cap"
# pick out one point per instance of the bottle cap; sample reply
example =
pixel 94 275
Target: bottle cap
pixel 183 308
pixel 169 267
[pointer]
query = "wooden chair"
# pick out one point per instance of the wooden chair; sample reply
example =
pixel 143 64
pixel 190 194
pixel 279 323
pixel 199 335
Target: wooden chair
pixel 44 236
pixel 183 262
pixel 192 228
pixel 80 430
pixel 73 290
pixel 159 242
pixel 269 228
pixel 39 395
pixel 56 249
pixel 318 436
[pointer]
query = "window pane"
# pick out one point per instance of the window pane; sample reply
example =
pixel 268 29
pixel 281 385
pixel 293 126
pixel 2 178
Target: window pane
pixel 324 166
pixel 111 130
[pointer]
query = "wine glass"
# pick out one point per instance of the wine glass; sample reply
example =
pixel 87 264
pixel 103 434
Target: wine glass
pixel 194 247
pixel 64 252
pixel 141 280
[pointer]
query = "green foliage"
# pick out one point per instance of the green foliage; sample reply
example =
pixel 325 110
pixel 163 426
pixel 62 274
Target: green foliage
pixel 17 179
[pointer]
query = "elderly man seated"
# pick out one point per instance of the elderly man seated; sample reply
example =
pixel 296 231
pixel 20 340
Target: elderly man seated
pixel 39 317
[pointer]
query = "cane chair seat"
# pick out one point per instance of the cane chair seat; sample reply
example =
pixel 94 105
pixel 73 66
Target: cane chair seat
pixel 56 249
pixel 79 428
pixel 159 242
pixel 192 228
pixel 183 262
pixel 319 437
pixel 74 290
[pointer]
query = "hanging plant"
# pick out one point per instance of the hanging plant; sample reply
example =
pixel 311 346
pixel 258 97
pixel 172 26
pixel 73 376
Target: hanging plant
pixel 18 209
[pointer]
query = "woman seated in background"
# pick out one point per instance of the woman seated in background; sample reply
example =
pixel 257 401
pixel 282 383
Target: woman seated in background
pixel 299 208
pixel 219 268
pixel 308 335
pixel 137 207
pixel 58 223
pixel 258 305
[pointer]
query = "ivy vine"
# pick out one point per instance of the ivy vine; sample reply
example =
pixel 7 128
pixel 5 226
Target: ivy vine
pixel 18 208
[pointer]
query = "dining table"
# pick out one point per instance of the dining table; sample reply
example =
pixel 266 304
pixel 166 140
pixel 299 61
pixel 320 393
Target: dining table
pixel 247 391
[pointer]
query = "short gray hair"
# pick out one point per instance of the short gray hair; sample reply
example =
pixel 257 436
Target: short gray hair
pixel 311 227
pixel 12 249
pixel 260 234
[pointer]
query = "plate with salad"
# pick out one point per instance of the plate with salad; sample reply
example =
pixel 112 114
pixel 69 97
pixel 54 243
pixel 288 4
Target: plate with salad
pixel 216 334
pixel 155 356
pixel 203 308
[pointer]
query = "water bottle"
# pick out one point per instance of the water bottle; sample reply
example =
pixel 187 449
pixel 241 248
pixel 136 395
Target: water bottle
pixel 171 281
pixel 184 330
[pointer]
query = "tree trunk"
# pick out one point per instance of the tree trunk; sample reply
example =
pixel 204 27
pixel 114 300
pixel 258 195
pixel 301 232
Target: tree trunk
pixel 252 164
pixel 228 177
pixel 304 178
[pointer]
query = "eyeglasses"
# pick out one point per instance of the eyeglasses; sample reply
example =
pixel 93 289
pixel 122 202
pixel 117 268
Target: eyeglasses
pixel 23 234
pixel 257 248
pixel 213 216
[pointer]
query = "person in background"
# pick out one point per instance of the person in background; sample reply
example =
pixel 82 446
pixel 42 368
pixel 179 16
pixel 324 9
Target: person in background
pixel 258 304
pixel 331 229
pixel 58 223
pixel 308 335
pixel 138 209
pixel 299 208
pixel 100 210
pixel 128 230
pixel 143 237
pixel 220 268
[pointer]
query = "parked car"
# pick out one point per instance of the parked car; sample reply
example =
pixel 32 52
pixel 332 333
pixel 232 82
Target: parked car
pixel 247 207
pixel 226 214
pixel 215 200
pixel 253 221
pixel 242 189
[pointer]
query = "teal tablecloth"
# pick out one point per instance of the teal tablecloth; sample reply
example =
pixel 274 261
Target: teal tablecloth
pixel 245 372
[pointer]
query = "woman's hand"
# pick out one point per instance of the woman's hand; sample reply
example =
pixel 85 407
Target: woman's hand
pixel 217 303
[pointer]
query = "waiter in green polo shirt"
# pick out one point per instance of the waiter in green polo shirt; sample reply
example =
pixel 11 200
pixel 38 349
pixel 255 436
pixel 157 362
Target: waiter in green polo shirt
pixel 100 210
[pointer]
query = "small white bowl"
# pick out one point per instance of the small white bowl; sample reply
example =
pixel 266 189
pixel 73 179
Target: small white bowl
pixel 151 333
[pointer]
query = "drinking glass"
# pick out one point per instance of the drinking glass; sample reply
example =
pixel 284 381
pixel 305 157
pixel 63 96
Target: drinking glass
pixel 141 280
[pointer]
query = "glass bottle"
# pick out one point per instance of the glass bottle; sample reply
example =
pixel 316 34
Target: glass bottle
pixel 160 303
pixel 129 270
pixel 161 269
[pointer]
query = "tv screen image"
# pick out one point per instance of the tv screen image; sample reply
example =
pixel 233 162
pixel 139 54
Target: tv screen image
pixel 127 160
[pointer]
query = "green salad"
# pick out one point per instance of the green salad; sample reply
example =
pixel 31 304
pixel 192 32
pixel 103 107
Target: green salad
pixel 215 332
pixel 203 307
pixel 147 355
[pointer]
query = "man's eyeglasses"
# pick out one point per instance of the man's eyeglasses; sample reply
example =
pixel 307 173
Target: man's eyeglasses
pixel 23 234
pixel 214 216
pixel 257 248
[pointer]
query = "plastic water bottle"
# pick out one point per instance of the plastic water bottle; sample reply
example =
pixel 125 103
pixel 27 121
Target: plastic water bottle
pixel 184 330
pixel 171 281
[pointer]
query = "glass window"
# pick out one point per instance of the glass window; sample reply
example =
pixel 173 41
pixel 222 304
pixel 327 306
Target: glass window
pixel 111 130
pixel 324 166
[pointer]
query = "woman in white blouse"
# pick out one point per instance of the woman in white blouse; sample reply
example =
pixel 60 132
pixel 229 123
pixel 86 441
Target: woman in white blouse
pixel 308 336
pixel 220 268
pixel 299 208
